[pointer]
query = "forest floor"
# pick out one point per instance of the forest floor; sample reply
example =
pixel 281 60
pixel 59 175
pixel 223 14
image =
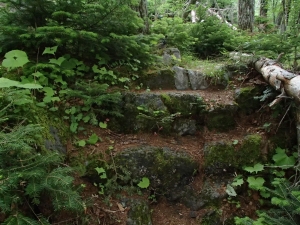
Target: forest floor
pixel 163 212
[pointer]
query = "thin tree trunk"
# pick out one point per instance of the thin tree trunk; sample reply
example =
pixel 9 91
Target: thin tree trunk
pixel 246 14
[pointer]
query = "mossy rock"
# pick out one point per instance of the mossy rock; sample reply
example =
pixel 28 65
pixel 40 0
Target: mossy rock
pixel 222 119
pixel 165 168
pixel 162 79
pixel 131 122
pixel 186 104
pixel 244 97
pixel 225 157
pixel 56 131
pixel 139 213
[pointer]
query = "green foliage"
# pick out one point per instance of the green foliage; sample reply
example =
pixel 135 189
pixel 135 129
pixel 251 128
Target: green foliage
pixel 157 120
pixel 176 33
pixel 256 168
pixel 95 103
pixel 283 195
pixel 144 183
pixel 84 29
pixel 211 35
pixel 27 175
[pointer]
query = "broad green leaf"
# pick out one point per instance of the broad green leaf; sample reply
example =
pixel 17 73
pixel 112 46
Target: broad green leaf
pixel 86 119
pixel 38 74
pixel 81 143
pixel 256 183
pixel 93 139
pixel 68 64
pixel 15 59
pixel 73 127
pixel 283 160
pixel 256 168
pixel 230 190
pixel 48 91
pixel 264 194
pixel 57 61
pixel 50 50
pixel 144 183
pixel 53 99
pixel 101 172
pixel 103 125
pixel 47 99
pixel 238 182
pixel 4 83
pixel 29 86
pixel 235 142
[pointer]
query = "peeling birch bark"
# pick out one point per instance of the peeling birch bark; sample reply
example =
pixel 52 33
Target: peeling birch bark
pixel 286 82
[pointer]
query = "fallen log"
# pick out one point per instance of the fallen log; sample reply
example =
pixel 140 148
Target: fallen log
pixel 286 82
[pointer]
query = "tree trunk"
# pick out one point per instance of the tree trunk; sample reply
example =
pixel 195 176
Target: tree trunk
pixel 143 10
pixel 246 14
pixel 186 8
pixel 263 8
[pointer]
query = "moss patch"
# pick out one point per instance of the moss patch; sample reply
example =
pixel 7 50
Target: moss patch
pixel 165 168
pixel 163 79
pixel 221 119
pixel 186 104
pixel 246 101
pixel 221 156
pixel 50 122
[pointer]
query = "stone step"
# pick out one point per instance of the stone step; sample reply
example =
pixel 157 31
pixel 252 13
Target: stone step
pixel 182 112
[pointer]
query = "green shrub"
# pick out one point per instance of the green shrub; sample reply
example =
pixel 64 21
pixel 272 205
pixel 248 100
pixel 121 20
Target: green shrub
pixel 28 176
pixel 108 28
pixel 211 35
pixel 175 31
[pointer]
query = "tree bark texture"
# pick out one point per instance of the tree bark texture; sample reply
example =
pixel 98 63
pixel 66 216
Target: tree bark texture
pixel 143 10
pixel 263 8
pixel 246 14
pixel 286 82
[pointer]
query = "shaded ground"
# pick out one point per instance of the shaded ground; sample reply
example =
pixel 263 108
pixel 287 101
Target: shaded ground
pixel 109 211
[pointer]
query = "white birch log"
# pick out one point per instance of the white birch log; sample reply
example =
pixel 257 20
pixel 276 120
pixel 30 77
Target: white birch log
pixel 288 83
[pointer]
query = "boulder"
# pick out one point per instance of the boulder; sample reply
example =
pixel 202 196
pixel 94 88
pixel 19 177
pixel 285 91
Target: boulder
pixel 139 212
pixel 171 56
pixel 181 78
pixel 197 80
pixel 165 168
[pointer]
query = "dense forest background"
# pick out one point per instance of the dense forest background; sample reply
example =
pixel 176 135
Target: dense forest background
pixel 55 51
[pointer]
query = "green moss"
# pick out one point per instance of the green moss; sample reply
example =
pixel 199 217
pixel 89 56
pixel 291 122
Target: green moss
pixel 47 120
pixel 246 101
pixel 163 79
pixel 165 168
pixel 139 213
pixel 221 120
pixel 223 154
pixel 250 150
pixel 186 104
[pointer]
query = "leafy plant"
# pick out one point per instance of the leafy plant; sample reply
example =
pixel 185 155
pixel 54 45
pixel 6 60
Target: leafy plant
pixel 144 183
pixel 28 176
pixel 92 102
pixel 156 119
pixel 283 194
